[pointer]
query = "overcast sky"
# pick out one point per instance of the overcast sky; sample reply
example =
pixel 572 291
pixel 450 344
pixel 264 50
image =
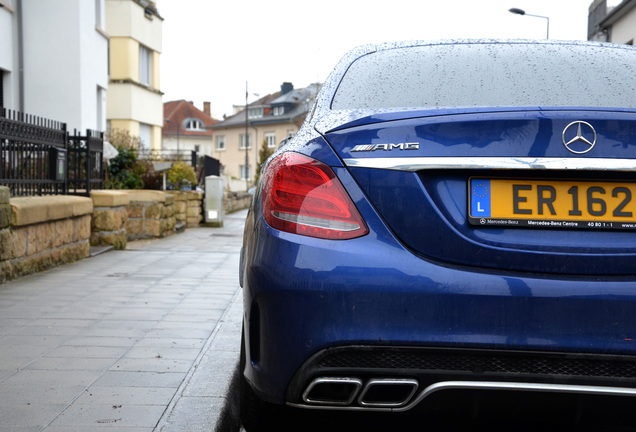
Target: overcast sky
pixel 211 48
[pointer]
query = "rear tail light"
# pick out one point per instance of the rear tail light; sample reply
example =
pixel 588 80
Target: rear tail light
pixel 303 196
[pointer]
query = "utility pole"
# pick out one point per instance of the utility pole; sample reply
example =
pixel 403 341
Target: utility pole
pixel 247 179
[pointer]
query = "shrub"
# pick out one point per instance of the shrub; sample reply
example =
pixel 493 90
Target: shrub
pixel 181 176
pixel 123 138
pixel 263 154
pixel 151 178
pixel 124 171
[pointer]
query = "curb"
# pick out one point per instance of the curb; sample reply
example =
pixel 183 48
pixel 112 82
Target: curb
pixel 208 389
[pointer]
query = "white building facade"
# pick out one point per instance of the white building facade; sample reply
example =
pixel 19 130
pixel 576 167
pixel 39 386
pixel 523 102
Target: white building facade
pixel 54 60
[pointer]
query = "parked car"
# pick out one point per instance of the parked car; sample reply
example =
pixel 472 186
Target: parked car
pixel 453 215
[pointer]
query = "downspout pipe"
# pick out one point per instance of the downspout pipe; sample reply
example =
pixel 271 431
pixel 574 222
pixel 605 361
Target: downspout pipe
pixel 20 57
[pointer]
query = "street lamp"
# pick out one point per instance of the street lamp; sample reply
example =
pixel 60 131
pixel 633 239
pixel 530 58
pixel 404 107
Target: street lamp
pixel 518 11
pixel 247 115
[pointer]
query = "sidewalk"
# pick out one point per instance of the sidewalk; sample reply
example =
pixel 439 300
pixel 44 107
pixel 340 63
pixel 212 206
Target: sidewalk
pixel 144 339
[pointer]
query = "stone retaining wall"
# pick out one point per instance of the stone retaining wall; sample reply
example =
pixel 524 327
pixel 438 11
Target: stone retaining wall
pixel 151 214
pixel 42 232
pixel 5 234
pixel 180 206
pixel 188 207
pixel 194 212
pixel 235 201
pixel 110 216
pixel 37 233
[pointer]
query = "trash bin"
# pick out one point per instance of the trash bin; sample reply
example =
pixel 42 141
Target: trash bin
pixel 214 200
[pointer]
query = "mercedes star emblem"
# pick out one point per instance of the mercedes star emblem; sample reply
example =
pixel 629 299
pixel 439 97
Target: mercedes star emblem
pixel 579 137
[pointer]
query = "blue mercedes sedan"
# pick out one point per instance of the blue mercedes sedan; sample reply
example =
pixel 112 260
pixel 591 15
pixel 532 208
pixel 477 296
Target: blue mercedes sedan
pixel 454 217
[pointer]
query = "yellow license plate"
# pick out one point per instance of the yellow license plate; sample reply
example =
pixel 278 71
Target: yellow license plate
pixel 552 203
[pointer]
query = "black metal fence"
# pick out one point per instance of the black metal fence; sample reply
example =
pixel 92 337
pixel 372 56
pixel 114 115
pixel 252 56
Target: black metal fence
pixel 39 157
pixel 85 162
pixel 201 164
pixel 187 156
pixel 211 166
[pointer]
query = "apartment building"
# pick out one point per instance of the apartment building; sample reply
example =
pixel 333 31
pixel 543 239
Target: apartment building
pixel 185 128
pixel 272 118
pixel 612 24
pixel 134 97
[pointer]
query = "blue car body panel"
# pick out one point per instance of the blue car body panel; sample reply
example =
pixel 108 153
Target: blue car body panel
pixel 374 291
pixel 424 276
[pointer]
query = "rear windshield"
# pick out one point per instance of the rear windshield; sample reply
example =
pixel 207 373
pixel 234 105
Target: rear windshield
pixel 491 75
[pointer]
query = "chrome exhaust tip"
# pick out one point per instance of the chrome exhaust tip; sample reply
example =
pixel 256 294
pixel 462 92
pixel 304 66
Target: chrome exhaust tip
pixel 388 393
pixel 339 391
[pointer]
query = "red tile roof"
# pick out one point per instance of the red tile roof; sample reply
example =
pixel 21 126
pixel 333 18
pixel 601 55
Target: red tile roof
pixel 176 112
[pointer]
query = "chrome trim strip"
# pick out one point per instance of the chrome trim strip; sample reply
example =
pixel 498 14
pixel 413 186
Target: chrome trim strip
pixel 490 163
pixel 517 386
pixel 489 385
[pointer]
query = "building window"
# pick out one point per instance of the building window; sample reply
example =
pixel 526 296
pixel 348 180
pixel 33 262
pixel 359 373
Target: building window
pixel 101 103
pixel 255 113
pixel 145 67
pixel 194 124
pixel 279 110
pixel 245 173
pixel 145 136
pixel 270 137
pixel 249 142
pixel 197 148
pixel 220 142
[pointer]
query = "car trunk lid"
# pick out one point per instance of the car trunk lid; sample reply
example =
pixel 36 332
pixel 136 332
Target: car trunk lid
pixel 428 177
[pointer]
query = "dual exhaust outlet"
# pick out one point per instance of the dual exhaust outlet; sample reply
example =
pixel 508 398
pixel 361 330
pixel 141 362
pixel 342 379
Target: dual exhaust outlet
pixel 353 392
pixel 397 394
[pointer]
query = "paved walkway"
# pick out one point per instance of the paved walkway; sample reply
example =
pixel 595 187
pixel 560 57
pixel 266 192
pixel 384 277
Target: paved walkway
pixel 145 339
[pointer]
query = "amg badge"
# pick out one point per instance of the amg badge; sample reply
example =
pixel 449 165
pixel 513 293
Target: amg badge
pixel 385 147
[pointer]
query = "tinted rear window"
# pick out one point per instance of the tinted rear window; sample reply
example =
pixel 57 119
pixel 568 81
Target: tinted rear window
pixel 491 75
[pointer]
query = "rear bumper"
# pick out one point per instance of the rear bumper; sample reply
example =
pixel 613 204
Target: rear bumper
pixel 306 296
pixel 398 379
